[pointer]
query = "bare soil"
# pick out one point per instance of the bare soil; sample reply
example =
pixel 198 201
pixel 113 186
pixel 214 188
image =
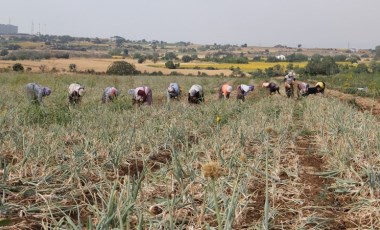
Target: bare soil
pixel 363 103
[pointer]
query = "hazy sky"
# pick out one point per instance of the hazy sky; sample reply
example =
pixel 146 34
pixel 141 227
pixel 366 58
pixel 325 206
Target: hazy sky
pixel 312 23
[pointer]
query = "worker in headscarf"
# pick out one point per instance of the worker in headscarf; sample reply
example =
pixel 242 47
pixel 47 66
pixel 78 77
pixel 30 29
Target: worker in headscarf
pixel 174 91
pixel 320 87
pixel 35 92
pixel 273 87
pixel 302 89
pixel 242 91
pixel 141 95
pixel 289 80
pixel 225 91
pixel 76 92
pixel 196 95
pixel 305 90
pixel 109 94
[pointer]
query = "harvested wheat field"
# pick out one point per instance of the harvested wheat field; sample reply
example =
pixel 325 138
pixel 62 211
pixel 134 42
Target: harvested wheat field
pixel 267 163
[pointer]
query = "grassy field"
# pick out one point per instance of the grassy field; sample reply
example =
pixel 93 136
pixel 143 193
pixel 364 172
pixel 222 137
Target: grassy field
pixel 267 163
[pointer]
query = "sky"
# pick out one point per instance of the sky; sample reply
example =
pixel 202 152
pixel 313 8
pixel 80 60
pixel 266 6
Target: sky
pixel 311 23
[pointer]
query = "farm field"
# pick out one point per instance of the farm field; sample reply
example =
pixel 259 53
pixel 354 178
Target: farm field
pixel 270 162
pixel 251 66
pixel 101 65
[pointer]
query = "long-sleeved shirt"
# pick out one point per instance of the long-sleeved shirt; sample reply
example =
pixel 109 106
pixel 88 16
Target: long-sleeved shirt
pixel 303 87
pixel 246 88
pixel 289 79
pixel 109 94
pixel 35 92
pixel 226 90
pixel 76 88
pixel 143 94
pixel 195 89
pixel 195 94
pixel 173 90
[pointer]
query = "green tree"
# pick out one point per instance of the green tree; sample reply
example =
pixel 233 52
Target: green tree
pixel 73 67
pixel 297 57
pixel 272 59
pixel 353 59
pixel 121 68
pixel 329 66
pixel 171 65
pixel 186 58
pixel 125 52
pixel 137 55
pixel 340 57
pixel 119 42
pixel 170 56
pixel 18 67
pixel 97 41
pixel 141 59
pixel 374 66
pixel 256 58
pixel 321 65
pixel 361 68
pixel 316 57
pixel 4 52
pixel 194 56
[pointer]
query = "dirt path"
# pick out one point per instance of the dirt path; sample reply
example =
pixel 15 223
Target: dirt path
pixel 363 103
pixel 305 201
pixel 318 206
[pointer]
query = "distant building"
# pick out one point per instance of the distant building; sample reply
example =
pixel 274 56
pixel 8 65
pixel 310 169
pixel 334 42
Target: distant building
pixel 281 57
pixel 8 29
pixel 354 50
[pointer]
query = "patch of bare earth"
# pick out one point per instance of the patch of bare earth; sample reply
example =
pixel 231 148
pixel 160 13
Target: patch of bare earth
pixel 363 103
pixel 319 208
pixel 303 198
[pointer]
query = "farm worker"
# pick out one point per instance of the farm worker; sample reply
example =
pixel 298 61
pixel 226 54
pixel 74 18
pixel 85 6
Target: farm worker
pixel 273 87
pixel 140 95
pixel 320 86
pixel 225 91
pixel 109 94
pixel 173 91
pixel 289 80
pixel 242 91
pixel 302 89
pixel 76 92
pixel 196 95
pixel 35 92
